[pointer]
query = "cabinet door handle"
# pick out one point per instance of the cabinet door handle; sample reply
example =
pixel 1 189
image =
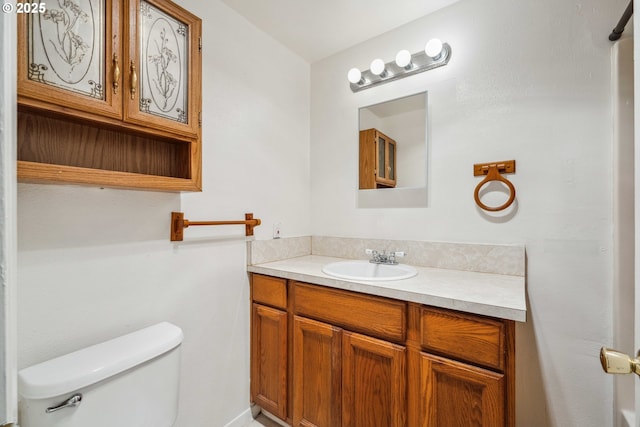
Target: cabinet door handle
pixel 134 80
pixel 116 73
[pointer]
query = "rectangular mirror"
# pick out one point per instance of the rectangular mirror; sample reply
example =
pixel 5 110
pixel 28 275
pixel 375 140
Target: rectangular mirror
pixel 392 161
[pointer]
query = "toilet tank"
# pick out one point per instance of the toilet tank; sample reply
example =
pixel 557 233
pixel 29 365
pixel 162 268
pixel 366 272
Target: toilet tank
pixel 132 381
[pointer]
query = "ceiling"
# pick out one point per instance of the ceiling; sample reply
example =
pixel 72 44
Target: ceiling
pixel 316 29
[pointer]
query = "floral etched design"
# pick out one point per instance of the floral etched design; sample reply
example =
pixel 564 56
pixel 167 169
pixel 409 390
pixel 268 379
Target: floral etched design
pixel 164 80
pixel 68 44
pixel 145 103
pixel 36 72
pixel 145 10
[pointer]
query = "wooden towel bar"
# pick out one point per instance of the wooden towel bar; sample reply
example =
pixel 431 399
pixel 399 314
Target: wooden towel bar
pixel 178 224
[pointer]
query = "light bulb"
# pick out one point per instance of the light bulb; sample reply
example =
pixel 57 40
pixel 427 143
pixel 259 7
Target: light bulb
pixel 355 76
pixel 403 59
pixel 433 48
pixel 377 67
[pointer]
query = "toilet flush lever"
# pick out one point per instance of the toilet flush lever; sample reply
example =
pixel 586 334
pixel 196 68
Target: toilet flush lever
pixel 73 401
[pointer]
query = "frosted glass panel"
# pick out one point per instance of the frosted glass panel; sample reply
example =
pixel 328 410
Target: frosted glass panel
pixel 382 166
pixel 392 161
pixel 66 46
pixel 164 43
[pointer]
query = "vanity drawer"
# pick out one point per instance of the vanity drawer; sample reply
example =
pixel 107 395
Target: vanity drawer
pixel 467 337
pixel 269 290
pixel 379 317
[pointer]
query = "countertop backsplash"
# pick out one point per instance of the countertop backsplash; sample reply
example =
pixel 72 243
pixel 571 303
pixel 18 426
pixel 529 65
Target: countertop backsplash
pixel 263 251
pixel 477 257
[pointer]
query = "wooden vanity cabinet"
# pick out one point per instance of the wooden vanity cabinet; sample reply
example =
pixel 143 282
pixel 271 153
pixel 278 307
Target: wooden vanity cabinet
pixel 377 160
pixel 358 360
pixel 109 93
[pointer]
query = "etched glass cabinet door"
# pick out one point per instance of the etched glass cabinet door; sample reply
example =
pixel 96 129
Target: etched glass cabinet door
pixel 164 68
pixel 69 56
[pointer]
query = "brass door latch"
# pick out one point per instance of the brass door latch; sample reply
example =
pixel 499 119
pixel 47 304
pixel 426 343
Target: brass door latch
pixel 615 362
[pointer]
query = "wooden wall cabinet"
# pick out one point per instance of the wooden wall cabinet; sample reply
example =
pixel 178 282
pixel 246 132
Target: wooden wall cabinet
pixel 357 360
pixel 377 160
pixel 109 94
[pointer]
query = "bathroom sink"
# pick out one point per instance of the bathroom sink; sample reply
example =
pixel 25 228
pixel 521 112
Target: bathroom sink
pixel 365 270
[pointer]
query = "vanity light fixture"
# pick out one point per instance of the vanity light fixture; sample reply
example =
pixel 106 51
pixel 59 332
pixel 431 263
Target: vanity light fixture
pixel 433 49
pixel 378 68
pixel 435 54
pixel 355 76
pixel 403 59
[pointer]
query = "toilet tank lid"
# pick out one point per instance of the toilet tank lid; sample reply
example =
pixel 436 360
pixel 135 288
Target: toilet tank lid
pixel 89 365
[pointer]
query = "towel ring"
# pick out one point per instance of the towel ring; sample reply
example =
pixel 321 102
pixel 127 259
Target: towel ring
pixel 494 175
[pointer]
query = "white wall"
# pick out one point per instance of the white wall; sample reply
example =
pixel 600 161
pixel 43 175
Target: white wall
pixel 97 263
pixel 530 81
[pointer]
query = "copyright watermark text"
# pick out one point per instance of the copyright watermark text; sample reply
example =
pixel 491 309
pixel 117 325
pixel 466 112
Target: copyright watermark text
pixel 24 7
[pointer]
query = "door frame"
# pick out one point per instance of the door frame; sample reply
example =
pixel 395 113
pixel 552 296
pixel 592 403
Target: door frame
pixel 8 220
pixel 636 202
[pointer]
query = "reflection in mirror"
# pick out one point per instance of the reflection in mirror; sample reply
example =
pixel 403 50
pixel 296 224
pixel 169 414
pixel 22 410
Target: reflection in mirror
pixel 393 153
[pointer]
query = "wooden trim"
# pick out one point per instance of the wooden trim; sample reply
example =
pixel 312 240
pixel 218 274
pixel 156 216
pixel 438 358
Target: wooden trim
pixel 510 373
pixel 44 173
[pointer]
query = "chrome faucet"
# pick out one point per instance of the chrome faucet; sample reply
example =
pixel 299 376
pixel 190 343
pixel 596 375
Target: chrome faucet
pixel 383 257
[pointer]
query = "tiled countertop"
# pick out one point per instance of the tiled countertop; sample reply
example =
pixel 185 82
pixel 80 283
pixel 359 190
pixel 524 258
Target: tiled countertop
pixel 495 295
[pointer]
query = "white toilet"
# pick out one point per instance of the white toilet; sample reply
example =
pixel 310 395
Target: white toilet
pixel 129 381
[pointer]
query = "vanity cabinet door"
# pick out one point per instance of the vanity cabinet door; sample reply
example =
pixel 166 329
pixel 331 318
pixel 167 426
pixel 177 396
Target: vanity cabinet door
pixel 269 359
pixel 373 382
pixel 456 394
pixel 164 67
pixel 316 373
pixel 70 57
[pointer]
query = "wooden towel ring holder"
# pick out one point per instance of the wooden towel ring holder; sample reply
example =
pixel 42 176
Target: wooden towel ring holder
pixel 492 170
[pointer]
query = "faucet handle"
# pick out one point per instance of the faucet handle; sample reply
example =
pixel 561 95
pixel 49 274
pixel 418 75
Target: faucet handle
pixel 370 251
pixel 399 254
